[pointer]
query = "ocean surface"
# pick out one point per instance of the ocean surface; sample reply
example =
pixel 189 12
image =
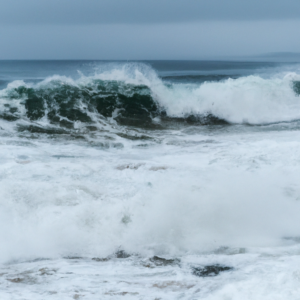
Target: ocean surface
pixel 149 180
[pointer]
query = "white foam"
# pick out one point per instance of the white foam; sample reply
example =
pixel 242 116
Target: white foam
pixel 194 200
pixel 249 99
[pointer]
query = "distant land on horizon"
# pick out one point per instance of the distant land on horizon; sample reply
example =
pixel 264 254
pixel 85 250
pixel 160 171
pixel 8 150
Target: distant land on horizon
pixel 286 56
pixel 264 57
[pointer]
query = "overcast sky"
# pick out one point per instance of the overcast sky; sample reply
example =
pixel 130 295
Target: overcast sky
pixel 153 29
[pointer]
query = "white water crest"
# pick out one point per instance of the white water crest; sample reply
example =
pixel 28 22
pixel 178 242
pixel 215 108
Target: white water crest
pixel 246 100
pixel 251 99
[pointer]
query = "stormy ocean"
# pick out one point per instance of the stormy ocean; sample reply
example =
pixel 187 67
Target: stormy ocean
pixel 149 180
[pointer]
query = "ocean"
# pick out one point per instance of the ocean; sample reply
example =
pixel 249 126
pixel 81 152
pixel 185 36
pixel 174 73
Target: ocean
pixel 149 180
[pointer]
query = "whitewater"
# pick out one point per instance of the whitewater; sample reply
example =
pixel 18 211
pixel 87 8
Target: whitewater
pixel 149 180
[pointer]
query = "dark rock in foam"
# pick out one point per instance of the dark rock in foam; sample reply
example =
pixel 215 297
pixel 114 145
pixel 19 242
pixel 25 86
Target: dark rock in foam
pixel 208 271
pixel 122 254
pixel 159 261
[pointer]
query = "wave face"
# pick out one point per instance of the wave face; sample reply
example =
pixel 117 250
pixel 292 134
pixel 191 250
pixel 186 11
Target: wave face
pixel 64 103
pixel 133 94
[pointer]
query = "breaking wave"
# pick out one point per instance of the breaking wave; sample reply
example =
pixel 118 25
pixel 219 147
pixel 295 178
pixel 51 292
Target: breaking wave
pixel 134 95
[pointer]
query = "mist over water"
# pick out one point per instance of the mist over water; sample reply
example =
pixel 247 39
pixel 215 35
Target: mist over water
pixel 132 176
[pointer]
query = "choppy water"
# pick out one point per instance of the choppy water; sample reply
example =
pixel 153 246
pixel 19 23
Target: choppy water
pixel 149 180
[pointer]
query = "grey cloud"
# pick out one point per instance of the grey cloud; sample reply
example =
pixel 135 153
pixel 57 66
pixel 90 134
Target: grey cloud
pixel 141 11
pixel 203 40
